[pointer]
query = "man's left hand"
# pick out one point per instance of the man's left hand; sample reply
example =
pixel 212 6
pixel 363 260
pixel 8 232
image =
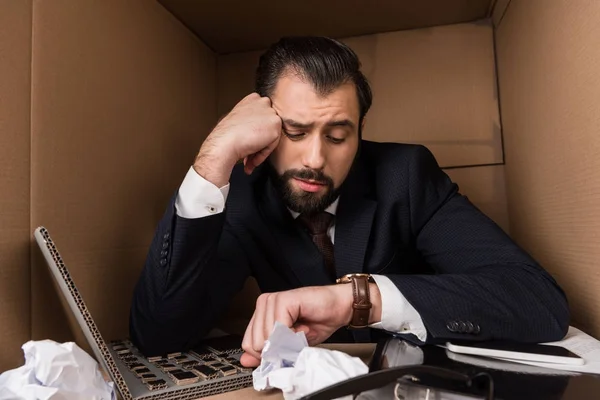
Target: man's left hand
pixel 316 311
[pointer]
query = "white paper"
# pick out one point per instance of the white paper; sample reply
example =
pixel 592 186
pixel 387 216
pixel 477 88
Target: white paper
pixel 504 365
pixel 55 371
pixel 289 364
pixel 575 340
pixel 280 351
pixel 580 343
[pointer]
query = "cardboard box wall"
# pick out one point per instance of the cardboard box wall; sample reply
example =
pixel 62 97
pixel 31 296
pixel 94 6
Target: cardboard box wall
pixel 103 105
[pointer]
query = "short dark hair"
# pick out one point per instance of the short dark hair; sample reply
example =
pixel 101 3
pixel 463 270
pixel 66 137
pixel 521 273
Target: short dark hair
pixel 326 63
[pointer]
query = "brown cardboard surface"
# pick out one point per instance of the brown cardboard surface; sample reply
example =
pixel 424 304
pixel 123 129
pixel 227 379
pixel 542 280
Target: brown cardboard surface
pixel 235 78
pixel 15 61
pixel 498 10
pixel 123 96
pixel 248 393
pixel 432 86
pixel 548 59
pixel 230 26
pixel 435 87
pixel 103 106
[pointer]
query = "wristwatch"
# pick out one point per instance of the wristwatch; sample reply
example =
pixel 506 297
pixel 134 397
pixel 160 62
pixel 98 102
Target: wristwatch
pixel 361 307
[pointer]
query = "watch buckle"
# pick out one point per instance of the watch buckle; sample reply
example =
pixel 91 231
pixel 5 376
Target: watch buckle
pixel 348 277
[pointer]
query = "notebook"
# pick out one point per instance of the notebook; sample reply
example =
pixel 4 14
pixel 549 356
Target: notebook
pixel 212 368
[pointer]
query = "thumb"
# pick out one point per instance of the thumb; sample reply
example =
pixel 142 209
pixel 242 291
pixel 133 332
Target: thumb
pixel 311 335
pixel 249 361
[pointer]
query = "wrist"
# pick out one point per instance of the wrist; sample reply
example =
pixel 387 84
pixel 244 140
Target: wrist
pixel 214 165
pixel 345 309
pixel 345 299
pixel 375 315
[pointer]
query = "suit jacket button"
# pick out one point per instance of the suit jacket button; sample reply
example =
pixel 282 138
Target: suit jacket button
pixel 166 236
pixel 452 326
pixel 476 329
pixel 470 327
pixel 163 262
pixel 165 245
pixel 462 327
pixel 163 253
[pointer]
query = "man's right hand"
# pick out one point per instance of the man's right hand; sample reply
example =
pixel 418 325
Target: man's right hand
pixel 250 131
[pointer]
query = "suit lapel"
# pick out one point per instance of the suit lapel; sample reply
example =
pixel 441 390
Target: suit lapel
pixel 305 262
pixel 354 219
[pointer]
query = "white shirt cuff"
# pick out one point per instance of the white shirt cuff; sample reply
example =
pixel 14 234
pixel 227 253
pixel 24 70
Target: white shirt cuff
pixel 397 314
pixel 198 198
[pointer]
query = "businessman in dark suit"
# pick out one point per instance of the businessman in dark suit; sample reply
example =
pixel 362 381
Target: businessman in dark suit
pixel 338 231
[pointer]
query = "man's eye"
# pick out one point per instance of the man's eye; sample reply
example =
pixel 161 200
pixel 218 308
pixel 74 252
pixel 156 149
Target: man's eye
pixel 294 136
pixel 335 140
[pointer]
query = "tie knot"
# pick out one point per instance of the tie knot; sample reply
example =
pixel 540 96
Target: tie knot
pixel 317 223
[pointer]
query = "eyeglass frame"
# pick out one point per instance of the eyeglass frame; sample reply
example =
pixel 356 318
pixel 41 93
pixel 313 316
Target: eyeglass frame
pixel 378 379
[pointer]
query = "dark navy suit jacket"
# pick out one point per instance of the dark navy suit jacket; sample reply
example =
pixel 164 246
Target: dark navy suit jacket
pixel 399 215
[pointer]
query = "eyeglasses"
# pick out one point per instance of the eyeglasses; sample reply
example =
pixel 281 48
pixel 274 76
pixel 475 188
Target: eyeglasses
pixel 417 377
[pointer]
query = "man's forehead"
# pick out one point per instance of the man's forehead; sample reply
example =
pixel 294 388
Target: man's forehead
pixel 299 101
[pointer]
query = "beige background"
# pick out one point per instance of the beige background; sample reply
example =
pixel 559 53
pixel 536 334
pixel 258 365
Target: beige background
pixel 548 58
pixel 122 97
pixel 233 26
pixel 15 86
pixel 103 105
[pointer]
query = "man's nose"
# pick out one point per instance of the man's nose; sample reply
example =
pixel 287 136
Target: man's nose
pixel 314 153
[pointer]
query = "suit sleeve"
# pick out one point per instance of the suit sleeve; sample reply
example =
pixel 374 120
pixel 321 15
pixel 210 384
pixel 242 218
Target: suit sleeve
pixel 193 268
pixel 485 286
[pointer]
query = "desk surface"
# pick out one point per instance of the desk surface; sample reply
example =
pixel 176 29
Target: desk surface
pixel 529 386
pixel 363 351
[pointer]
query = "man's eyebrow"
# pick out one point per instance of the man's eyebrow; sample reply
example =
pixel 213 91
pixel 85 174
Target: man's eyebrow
pixel 295 124
pixel 342 122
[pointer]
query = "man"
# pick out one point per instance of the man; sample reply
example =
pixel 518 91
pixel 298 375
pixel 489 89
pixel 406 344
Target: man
pixel 313 202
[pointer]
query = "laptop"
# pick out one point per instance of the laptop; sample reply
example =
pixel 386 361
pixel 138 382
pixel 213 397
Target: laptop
pixel 212 368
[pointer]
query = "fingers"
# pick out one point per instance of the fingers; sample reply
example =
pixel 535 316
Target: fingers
pixel 258 337
pixel 302 328
pixel 247 341
pixel 247 335
pixel 249 361
pixel 256 159
pixel 252 97
pixel 311 336
pixel 270 311
pixel 270 308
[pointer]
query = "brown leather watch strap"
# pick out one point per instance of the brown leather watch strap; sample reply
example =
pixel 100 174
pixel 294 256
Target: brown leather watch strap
pixel 361 306
pixel 362 302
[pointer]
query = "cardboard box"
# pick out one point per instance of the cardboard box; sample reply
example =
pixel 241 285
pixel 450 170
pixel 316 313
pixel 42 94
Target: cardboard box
pixel 104 104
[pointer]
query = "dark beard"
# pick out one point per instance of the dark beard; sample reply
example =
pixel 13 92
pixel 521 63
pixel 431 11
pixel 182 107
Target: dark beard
pixel 300 201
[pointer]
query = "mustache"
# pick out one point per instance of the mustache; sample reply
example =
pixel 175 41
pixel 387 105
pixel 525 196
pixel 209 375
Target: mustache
pixel 309 174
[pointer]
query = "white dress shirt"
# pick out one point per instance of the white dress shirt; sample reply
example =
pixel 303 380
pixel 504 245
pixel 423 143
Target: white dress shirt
pixel 198 198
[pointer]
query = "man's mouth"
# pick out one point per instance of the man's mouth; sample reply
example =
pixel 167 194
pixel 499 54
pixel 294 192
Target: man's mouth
pixel 309 185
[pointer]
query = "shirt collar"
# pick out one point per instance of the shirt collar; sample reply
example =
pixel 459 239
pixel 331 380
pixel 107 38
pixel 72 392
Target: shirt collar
pixel 331 209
